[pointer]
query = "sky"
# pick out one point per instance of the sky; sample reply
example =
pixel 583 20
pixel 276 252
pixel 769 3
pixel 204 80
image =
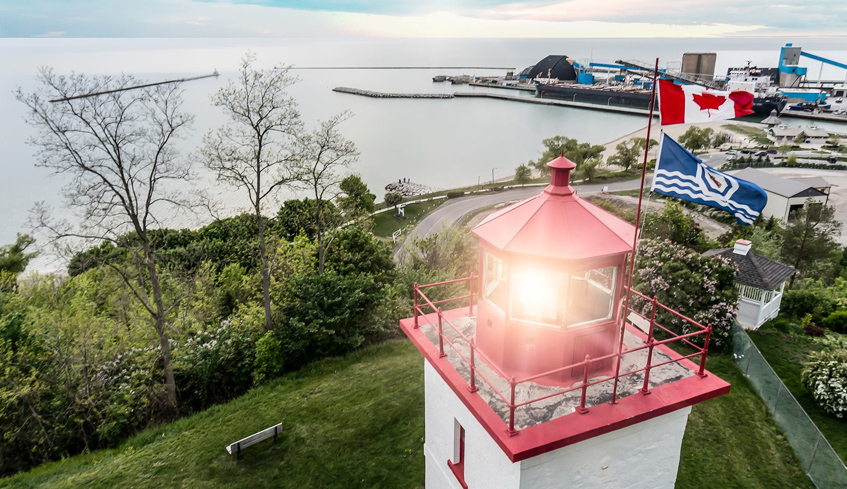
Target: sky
pixel 423 18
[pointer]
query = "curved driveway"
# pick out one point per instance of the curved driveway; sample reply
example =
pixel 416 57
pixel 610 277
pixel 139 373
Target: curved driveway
pixel 454 209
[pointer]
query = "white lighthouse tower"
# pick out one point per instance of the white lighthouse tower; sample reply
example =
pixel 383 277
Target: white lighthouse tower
pixel 535 376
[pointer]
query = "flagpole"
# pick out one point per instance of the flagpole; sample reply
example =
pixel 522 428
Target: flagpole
pixel 635 234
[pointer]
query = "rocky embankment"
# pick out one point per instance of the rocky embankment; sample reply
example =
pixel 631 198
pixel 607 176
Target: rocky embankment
pixel 409 189
pixel 368 93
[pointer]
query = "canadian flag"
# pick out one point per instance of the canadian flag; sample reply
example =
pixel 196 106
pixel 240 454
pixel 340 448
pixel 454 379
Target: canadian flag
pixel 680 104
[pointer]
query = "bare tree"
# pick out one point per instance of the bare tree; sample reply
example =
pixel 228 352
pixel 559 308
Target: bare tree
pixel 118 148
pixel 324 155
pixel 254 151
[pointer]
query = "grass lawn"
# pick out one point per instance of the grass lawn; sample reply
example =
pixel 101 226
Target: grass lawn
pixel 358 421
pixel 385 223
pixel 756 134
pixel 786 355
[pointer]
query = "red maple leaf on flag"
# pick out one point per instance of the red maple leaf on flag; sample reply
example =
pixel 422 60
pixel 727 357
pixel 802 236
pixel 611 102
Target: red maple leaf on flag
pixel 706 101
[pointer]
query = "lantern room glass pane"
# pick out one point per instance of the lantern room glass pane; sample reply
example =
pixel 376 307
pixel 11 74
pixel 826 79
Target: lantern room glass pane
pixel 494 287
pixel 537 295
pixel 591 296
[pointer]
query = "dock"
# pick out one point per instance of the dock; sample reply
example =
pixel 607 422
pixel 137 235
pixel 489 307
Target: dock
pixel 511 98
pixel 818 117
pixel 369 93
pixel 555 102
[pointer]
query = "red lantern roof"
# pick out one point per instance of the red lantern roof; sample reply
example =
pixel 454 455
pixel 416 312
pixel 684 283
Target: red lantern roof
pixel 557 224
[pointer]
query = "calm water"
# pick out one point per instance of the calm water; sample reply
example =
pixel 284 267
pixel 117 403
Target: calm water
pixel 441 143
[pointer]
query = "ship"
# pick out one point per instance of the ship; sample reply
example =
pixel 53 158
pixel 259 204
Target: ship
pixel 762 83
pixel 559 77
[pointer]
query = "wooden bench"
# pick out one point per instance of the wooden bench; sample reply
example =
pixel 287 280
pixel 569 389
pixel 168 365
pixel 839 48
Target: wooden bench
pixel 251 440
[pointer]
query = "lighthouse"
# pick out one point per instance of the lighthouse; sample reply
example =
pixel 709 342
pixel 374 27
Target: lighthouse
pixel 537 373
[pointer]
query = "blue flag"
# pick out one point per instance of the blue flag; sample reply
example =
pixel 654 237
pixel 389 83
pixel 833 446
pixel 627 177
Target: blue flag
pixel 682 175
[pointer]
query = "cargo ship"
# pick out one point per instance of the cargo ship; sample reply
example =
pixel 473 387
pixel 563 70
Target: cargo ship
pixel 561 78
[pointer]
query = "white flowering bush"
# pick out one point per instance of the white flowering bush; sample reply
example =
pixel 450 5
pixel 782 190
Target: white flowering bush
pixel 215 365
pixel 825 377
pixel 699 287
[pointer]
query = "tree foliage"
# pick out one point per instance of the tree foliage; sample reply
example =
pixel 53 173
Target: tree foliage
pixel 14 257
pixel 356 199
pixel 700 287
pixel 572 149
pixel 675 225
pixel 117 146
pixel 629 152
pixel 323 159
pixel 522 174
pixel 809 238
pixel 255 150
pixel 696 138
pixel 393 199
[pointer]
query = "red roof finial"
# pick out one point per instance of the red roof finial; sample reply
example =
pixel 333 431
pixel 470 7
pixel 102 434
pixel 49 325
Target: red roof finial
pixel 560 170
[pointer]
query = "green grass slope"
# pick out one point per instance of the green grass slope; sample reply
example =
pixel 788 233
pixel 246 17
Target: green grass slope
pixel 358 421
pixel 787 354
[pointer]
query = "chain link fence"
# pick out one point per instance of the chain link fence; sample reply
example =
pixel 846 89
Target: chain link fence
pixel 816 455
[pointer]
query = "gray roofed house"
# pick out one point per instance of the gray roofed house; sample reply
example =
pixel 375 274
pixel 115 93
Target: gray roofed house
pixel 786 195
pixel 760 282
pixel 782 134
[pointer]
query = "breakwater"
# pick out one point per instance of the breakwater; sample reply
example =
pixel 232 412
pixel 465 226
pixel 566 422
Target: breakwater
pixel 409 189
pixel 556 102
pixel 511 98
pixel 368 93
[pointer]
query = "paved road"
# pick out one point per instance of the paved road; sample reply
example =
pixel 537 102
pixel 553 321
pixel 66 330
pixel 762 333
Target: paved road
pixel 454 209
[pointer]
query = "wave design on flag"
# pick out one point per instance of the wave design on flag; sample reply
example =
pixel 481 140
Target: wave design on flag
pixel 682 175
pixel 671 187
pixel 684 182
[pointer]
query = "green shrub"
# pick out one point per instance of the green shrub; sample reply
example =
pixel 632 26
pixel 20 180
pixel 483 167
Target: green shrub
pixel 214 366
pixel 330 314
pixel 797 303
pixel 837 321
pixel 825 377
pixel 454 194
pixel 697 286
pixel 780 324
pixel 270 358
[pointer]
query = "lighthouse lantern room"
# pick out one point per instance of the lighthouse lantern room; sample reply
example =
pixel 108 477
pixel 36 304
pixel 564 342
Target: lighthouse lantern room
pixel 540 376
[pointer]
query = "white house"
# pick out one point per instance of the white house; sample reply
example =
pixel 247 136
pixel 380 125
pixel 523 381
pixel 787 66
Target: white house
pixel 786 195
pixel 760 282
pixel 783 134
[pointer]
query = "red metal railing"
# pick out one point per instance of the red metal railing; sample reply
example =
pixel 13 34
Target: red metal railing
pixel 421 301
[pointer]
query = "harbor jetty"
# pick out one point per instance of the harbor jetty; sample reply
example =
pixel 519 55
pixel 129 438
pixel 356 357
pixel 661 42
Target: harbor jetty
pixel 409 189
pixel 368 93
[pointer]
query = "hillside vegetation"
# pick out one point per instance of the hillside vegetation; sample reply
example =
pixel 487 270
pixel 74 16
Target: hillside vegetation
pixel 358 421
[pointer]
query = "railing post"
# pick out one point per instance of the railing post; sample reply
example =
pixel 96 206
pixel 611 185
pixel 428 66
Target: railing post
pixel 645 389
pixel 416 305
pixel 512 431
pixel 581 409
pixel 749 355
pixel 814 453
pixel 702 371
pixel 441 353
pixel 470 302
pixel 652 318
pixel 776 402
pixel 473 387
pixel 619 357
